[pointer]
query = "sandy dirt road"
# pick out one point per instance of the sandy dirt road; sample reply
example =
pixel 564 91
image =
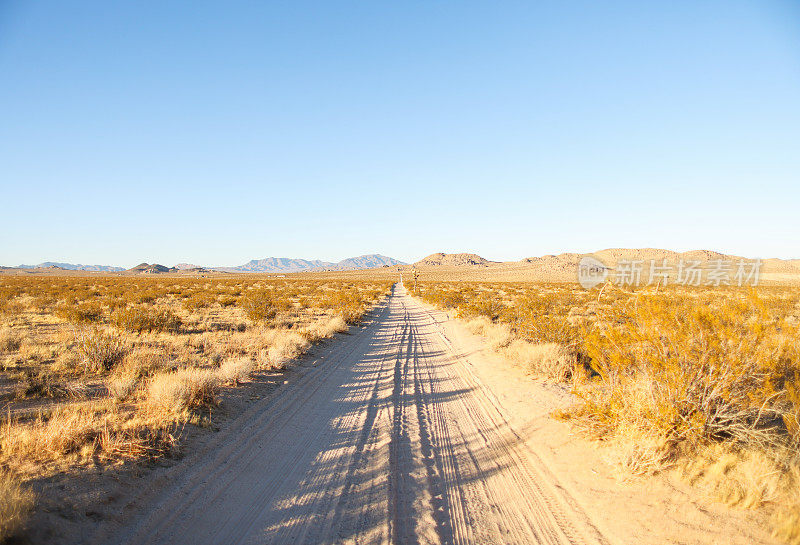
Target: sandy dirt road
pixel 391 439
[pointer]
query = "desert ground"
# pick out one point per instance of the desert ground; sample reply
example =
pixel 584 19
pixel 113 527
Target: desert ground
pixel 494 404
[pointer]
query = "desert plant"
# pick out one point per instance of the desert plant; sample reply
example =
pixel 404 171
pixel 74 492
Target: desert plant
pixel 10 339
pixel 120 387
pixel 16 503
pixel 235 370
pixel 182 389
pixel 259 305
pixel 82 313
pixel 144 319
pixel 99 350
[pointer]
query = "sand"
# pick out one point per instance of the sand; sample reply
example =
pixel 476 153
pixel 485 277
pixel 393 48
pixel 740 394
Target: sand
pixel 410 430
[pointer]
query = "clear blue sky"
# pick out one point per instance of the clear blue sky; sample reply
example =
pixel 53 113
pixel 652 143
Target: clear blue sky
pixel 218 132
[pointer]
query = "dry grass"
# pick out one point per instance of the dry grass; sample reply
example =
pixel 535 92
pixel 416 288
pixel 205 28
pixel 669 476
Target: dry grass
pixel 702 380
pixel 285 346
pixel 16 503
pixel 181 390
pixel 100 350
pixel 10 339
pixel 235 370
pixel 325 329
pixel 143 355
pixel 550 360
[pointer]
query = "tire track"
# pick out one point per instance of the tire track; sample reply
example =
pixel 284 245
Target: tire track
pixel 392 440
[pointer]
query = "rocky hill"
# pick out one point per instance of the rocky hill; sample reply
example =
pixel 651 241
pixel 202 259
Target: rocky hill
pixel 155 268
pixel 451 260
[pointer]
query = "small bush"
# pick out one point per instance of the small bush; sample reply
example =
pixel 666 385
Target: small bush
pixel 235 370
pixel 550 360
pixel 81 313
pixel 325 329
pixel 145 319
pixel 259 306
pixel 183 389
pixel 286 346
pixel 38 384
pixel 100 351
pixel 10 340
pixel 121 387
pixel 143 362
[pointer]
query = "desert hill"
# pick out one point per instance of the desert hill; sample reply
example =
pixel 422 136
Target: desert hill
pixel 564 267
pixel 451 260
pixel 155 268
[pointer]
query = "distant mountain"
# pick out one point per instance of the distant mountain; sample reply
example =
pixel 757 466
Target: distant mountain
pixel 370 261
pixel 452 260
pixel 72 267
pixel 288 265
pixel 155 268
pixel 266 265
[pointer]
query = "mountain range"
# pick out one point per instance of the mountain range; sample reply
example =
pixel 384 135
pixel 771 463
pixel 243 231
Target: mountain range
pixel 547 266
pixel 288 265
pixel 72 267
pixel 266 265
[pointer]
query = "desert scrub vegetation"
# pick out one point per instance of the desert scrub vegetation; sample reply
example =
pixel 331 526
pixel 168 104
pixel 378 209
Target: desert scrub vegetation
pixel 141 319
pixel 702 381
pixel 104 370
pixel 16 503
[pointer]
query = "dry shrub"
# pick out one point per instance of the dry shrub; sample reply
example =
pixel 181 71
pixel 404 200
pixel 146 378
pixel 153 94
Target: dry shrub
pixel 743 477
pixel 141 319
pixel 498 336
pixel 705 379
pixel 550 360
pixel 10 339
pixel 325 329
pixel 181 390
pixel 689 372
pixel 16 504
pixel 259 306
pixel 786 523
pixel 348 303
pixel 478 326
pixel 286 346
pixel 791 409
pixel 235 370
pixel 68 361
pixel 198 301
pixel 484 305
pixel 120 387
pixel 637 455
pixel 82 313
pixel 143 361
pixel 99 350
pixel 38 384
pixel 78 434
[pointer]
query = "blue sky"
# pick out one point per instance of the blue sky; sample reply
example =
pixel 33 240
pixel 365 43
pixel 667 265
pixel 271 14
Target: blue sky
pixel 218 132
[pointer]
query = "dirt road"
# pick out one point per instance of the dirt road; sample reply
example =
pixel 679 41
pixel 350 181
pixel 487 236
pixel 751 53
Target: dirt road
pixel 391 439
